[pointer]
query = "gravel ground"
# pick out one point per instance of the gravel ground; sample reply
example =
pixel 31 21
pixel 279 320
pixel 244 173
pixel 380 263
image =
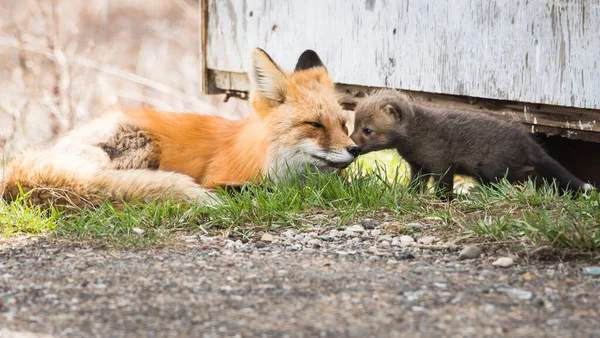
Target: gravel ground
pixel 355 283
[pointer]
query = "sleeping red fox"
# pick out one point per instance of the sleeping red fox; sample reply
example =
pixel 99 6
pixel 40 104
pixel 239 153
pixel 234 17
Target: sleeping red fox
pixel 144 154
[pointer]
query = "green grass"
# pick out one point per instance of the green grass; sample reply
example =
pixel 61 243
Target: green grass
pixel 374 189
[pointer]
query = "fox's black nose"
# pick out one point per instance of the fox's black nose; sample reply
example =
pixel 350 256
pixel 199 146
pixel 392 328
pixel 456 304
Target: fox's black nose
pixel 354 150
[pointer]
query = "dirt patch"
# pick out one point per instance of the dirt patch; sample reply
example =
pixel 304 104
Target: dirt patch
pixel 214 287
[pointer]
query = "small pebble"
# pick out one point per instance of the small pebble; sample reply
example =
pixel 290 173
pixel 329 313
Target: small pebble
pixel 592 270
pixel 440 285
pixel 190 239
pixel 375 232
pixel 469 252
pixel 372 249
pixel 503 262
pixel 355 228
pixel 298 238
pixel 325 238
pixel 405 239
pixel 427 240
pixel 288 233
pixel 351 234
pixel 369 223
pixel 334 233
pixel 384 244
pixel 392 261
pixel 528 276
pixel 386 238
pixel 314 242
pixel 406 255
pixel 267 238
pixel 519 294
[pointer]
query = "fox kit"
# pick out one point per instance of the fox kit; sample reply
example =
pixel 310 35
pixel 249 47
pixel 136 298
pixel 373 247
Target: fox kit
pixel 441 143
pixel 141 154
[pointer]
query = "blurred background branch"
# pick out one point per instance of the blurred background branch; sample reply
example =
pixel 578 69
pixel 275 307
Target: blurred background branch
pixel 64 61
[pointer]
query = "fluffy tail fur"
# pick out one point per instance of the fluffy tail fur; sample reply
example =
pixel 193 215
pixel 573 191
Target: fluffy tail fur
pixel 70 185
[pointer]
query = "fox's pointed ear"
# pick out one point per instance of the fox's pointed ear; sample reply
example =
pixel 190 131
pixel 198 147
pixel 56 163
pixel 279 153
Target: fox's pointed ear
pixel 309 59
pixel 400 109
pixel 349 99
pixel 393 110
pixel 267 79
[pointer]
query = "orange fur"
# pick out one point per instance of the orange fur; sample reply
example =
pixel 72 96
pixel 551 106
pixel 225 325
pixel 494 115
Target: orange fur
pixel 139 154
pixel 214 151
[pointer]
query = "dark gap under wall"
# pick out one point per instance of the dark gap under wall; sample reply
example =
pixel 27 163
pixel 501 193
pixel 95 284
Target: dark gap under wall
pixel 581 158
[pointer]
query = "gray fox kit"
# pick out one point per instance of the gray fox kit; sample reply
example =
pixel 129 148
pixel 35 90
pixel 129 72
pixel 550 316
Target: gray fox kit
pixel 443 142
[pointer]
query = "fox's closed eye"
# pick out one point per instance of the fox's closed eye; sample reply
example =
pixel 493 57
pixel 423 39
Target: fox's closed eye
pixel 367 131
pixel 315 124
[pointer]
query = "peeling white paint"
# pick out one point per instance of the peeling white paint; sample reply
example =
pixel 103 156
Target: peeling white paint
pixel 526 113
pixel 584 126
pixel 538 51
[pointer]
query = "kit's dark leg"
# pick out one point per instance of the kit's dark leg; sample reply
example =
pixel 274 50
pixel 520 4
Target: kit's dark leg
pixel 418 178
pixel 445 184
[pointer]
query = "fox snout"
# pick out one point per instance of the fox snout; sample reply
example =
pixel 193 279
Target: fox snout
pixel 356 138
pixel 364 144
pixel 354 150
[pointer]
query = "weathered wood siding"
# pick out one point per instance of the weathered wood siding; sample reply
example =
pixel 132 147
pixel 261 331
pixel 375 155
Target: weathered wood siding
pixel 539 51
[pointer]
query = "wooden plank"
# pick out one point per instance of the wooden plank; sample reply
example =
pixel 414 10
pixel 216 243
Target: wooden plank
pixel 202 43
pixel 538 51
pixel 227 47
pixel 569 122
pixel 228 81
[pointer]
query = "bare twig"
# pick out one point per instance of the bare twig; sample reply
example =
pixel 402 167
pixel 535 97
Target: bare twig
pixel 538 250
pixel 85 62
pixel 435 247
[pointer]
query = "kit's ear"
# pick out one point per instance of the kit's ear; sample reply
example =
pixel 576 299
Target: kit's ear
pixel 399 108
pixel 348 99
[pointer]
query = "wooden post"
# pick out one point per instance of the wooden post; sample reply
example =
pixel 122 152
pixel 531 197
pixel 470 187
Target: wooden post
pixel 202 36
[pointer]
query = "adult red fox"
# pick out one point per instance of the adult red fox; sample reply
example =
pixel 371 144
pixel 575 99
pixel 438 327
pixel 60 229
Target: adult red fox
pixel 141 154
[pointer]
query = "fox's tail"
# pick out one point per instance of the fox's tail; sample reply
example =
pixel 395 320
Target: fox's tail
pixel 47 183
pixel 550 169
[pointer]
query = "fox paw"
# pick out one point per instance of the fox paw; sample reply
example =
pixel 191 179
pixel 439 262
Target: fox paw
pixel 199 195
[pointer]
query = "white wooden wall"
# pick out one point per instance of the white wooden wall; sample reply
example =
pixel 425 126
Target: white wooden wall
pixel 540 51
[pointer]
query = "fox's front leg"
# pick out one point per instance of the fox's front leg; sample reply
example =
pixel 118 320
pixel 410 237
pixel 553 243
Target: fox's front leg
pixel 445 184
pixel 418 178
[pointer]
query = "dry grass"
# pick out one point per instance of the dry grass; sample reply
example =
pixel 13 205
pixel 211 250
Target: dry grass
pixel 64 61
